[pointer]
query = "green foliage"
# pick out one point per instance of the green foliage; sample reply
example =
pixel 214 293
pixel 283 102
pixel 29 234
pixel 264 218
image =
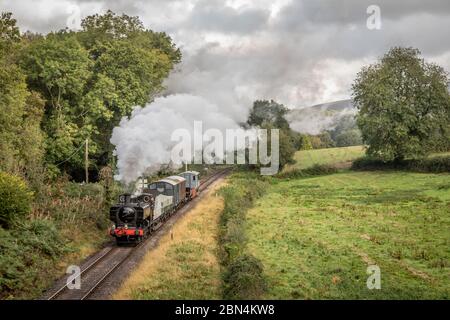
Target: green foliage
pixel 69 202
pixel 345 132
pixel 9 32
pixel 404 105
pixel 110 26
pixel 307 144
pixel 89 80
pixel 13 95
pixel 315 170
pixel 271 115
pixel 435 164
pixel 244 278
pixel 268 112
pixel 348 138
pixel 322 140
pixel 15 199
pixel 68 221
pixel 28 258
pixel 8 29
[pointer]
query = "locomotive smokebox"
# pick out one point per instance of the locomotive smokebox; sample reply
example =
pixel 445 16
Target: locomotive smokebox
pixel 125 198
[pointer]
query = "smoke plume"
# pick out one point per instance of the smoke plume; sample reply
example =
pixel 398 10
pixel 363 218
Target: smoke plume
pixel 143 141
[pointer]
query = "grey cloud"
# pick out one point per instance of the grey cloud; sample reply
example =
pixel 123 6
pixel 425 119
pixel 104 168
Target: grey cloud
pixel 321 12
pixel 307 53
pixel 216 16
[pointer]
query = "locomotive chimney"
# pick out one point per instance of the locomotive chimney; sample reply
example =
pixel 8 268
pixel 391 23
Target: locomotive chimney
pixel 127 197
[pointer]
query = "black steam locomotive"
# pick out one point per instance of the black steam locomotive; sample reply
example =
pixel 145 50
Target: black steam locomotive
pixel 135 217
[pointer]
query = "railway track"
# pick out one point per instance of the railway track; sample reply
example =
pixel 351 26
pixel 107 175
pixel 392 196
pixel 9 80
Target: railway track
pixel 102 265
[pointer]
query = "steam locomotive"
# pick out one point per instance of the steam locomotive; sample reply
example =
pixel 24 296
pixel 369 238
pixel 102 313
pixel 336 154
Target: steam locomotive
pixel 136 216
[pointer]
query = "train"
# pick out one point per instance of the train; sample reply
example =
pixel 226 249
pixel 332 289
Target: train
pixel 137 215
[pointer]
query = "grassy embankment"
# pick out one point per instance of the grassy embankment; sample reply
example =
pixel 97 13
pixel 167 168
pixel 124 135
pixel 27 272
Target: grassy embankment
pixel 68 222
pixel 185 267
pixel 316 236
pixel 207 257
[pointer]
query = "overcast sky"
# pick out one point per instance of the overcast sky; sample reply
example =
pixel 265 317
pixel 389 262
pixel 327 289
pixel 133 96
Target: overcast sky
pixel 299 52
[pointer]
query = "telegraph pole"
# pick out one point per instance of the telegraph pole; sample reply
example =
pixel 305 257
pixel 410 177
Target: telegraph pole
pixel 86 160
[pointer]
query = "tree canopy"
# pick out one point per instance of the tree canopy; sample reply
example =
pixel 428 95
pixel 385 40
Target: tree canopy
pixel 83 81
pixel 271 115
pixel 404 105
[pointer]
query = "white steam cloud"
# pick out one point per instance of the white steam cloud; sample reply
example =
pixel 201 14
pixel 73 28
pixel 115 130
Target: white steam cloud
pixel 143 141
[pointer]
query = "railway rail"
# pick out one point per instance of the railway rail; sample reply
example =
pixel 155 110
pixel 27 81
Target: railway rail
pixel 102 265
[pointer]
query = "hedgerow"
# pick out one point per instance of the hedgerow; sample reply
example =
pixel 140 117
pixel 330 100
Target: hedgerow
pixel 436 164
pixel 242 274
pixel 315 170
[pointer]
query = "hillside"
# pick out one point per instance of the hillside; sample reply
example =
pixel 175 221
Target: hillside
pixel 313 120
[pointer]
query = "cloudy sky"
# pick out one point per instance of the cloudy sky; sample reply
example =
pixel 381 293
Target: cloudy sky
pixel 298 52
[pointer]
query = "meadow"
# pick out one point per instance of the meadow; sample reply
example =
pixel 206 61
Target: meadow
pixel 316 236
pixel 336 156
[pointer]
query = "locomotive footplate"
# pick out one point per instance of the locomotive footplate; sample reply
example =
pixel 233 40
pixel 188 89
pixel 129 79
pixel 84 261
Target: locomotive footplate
pixel 124 232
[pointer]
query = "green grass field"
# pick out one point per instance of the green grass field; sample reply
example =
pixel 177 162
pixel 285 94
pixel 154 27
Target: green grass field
pixel 317 236
pixel 307 158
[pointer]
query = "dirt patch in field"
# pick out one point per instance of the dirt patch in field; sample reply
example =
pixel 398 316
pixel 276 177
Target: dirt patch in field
pixel 184 264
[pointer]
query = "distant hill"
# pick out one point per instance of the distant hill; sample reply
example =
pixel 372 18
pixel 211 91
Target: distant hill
pixel 313 120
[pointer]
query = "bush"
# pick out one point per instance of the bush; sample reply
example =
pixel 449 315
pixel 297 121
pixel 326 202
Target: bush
pixel 15 199
pixel 315 170
pixel 436 164
pixel 238 198
pixel 29 255
pixel 244 278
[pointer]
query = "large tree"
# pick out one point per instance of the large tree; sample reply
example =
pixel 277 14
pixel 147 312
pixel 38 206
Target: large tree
pixel 404 105
pixel 21 138
pixel 90 79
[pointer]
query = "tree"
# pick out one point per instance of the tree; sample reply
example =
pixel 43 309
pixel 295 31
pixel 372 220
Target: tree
pixel 8 28
pixel 404 105
pixel 13 95
pixel 348 138
pixel 91 79
pixel 21 138
pixel 268 112
pixel 345 132
pixel 60 69
pixel 270 115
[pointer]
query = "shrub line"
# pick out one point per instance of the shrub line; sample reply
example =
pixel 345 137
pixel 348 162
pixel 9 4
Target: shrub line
pixel 242 273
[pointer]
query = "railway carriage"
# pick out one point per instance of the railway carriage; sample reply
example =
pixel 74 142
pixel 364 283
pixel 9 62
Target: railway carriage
pixel 192 183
